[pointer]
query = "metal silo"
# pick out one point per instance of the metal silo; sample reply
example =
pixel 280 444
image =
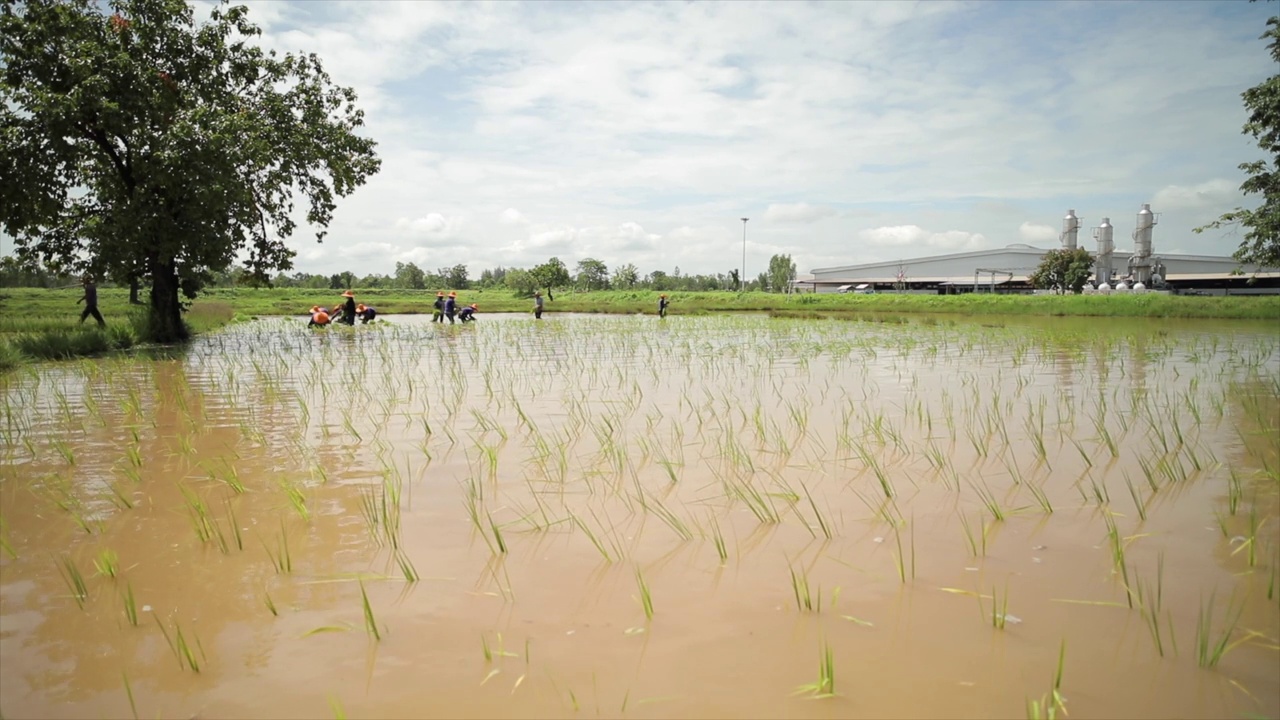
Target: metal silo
pixel 1105 235
pixel 1140 263
pixel 1070 230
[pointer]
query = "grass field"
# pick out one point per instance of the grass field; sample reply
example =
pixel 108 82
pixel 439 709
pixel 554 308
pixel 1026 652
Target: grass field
pixel 43 324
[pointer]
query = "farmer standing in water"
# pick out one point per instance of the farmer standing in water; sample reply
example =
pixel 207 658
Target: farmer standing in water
pixel 662 306
pixel 348 309
pixel 537 306
pixel 90 300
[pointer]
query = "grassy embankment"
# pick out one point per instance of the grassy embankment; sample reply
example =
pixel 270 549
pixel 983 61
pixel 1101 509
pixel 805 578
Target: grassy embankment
pixel 42 324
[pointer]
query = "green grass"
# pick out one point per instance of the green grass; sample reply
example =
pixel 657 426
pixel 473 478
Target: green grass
pixel 48 326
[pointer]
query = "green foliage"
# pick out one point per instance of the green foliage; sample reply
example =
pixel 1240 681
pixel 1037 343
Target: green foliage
pixel 1261 244
pixel 1063 270
pixel 781 273
pixel 626 276
pixel 142 144
pixel 593 274
pixel 551 274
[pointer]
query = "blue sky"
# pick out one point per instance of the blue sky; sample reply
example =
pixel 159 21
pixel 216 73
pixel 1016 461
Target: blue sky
pixel 848 132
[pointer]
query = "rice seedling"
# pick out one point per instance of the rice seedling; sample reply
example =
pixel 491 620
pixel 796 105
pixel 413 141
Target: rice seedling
pixel 646 600
pixel 497 535
pixel 74 580
pixel 806 599
pixel 406 567
pixel 718 539
pixel 999 607
pixel 107 563
pixel 1042 499
pixel 130 606
pixel 1210 646
pixel 271 605
pixel 180 647
pixel 825 685
pixel 1235 491
pixel 296 500
pixel 370 624
pixel 281 560
pixel 989 500
pixel 5 543
pixel 128 691
pixel 1138 502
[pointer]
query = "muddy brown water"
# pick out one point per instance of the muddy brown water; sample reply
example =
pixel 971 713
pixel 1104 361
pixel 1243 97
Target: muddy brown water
pixel 257 486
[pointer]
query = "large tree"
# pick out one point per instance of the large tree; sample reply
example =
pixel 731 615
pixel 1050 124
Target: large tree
pixel 782 272
pixel 593 274
pixel 135 141
pixel 1063 270
pixel 1261 244
pixel 550 275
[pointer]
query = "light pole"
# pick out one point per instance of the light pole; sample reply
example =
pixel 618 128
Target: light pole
pixel 742 281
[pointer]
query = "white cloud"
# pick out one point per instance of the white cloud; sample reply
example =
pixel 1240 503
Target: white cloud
pixel 1214 193
pixel 1034 233
pixel 642 132
pixel 916 237
pixel 512 216
pixel 797 213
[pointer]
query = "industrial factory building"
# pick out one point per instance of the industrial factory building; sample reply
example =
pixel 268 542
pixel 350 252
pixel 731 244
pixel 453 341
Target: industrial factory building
pixel 1006 270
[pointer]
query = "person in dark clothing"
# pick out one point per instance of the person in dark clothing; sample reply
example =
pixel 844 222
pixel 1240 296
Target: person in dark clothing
pixel 537 306
pixel 662 306
pixel 348 309
pixel 468 313
pixel 90 300
pixel 437 314
pixel 451 306
pixel 367 313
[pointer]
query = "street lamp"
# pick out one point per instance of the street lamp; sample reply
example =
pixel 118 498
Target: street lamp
pixel 742 281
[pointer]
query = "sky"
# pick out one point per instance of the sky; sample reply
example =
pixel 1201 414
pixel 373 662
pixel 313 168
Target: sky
pixel 848 132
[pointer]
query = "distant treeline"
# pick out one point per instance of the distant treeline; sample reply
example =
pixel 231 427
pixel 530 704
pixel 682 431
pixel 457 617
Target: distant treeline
pixel 590 274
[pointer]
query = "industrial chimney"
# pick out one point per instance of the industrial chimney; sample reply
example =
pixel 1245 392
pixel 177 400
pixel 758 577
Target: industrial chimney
pixel 1104 234
pixel 1140 263
pixel 1070 229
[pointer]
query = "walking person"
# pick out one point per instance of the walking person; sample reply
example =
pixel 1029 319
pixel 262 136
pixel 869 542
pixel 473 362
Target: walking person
pixel 662 306
pixel 451 306
pixel 537 306
pixel 437 314
pixel 90 300
pixel 348 309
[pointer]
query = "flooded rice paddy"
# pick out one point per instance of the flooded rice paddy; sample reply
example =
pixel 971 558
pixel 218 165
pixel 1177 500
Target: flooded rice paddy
pixel 625 517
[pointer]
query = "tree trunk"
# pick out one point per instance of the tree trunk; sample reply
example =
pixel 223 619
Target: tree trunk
pixel 133 290
pixel 166 309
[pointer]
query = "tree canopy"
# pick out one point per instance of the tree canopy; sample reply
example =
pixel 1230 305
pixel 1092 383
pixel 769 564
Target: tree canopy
pixel 1063 270
pixel 136 143
pixel 1261 243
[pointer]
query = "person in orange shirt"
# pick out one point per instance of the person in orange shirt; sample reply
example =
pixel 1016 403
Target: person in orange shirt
pixel 319 318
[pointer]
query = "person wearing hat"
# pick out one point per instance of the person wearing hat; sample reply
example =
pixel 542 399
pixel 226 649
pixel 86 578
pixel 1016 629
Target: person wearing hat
pixel 468 313
pixel 348 309
pixel 319 318
pixel 90 300
pixel 451 306
pixel 537 306
pixel 437 315
pixel 662 306
pixel 366 313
